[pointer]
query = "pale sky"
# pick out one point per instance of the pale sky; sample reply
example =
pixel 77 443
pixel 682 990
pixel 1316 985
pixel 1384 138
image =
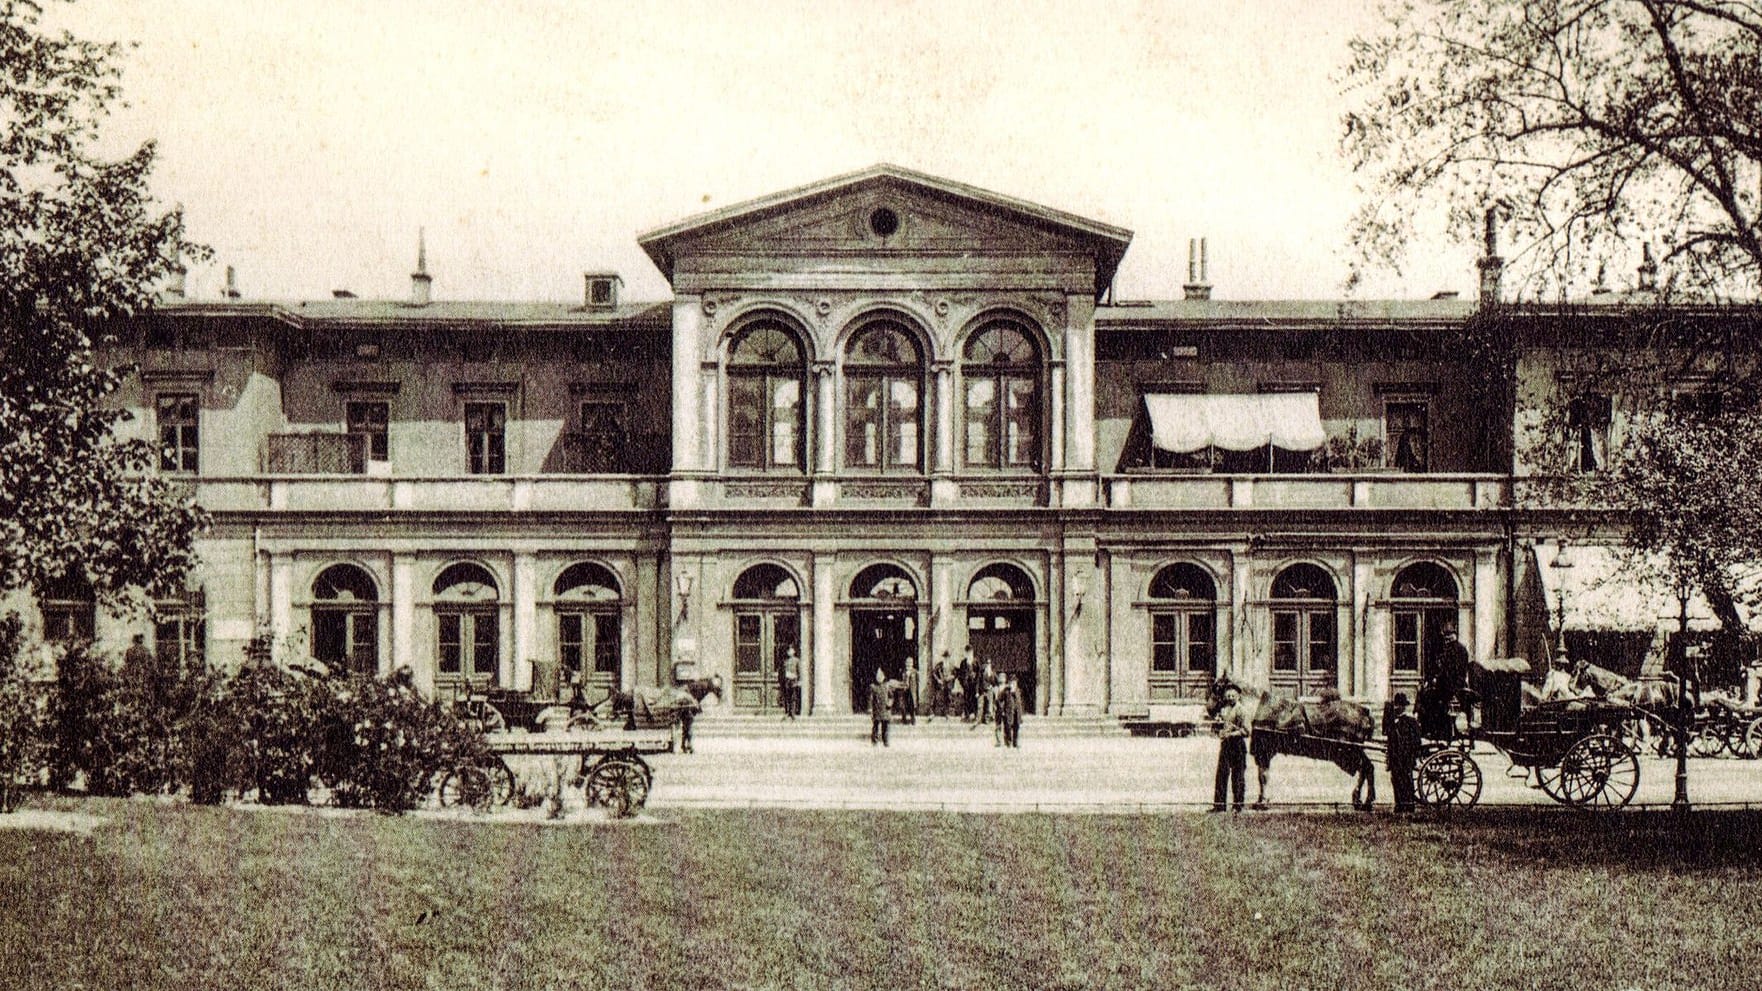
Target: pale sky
pixel 536 139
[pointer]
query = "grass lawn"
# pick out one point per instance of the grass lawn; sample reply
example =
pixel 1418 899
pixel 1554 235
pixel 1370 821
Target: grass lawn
pixel 170 896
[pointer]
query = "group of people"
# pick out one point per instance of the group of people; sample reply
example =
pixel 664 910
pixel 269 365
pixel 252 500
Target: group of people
pixel 979 693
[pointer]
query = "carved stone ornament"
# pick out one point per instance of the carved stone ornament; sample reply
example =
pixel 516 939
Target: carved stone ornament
pixel 823 306
pixel 1001 490
pixel 709 306
pixel 881 490
pixel 942 307
pixel 764 490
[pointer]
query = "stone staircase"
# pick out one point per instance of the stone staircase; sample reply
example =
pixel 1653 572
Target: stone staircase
pixel 850 726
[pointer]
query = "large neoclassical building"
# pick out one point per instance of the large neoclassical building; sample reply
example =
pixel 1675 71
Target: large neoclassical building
pixel 884 416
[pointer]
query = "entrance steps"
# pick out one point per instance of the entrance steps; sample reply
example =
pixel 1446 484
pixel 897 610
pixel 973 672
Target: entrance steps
pixel 850 726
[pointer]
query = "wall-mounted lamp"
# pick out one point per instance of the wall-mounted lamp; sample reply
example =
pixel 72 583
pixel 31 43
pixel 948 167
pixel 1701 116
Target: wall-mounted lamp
pixel 682 582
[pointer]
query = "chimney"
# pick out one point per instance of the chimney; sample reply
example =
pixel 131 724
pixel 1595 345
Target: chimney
pixel 1491 265
pixel 1648 270
pixel 601 290
pixel 232 284
pixel 178 287
pixel 420 283
pixel 1197 286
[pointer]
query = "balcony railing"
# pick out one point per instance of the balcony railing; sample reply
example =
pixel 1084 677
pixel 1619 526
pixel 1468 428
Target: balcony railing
pixel 467 493
pixel 315 454
pixel 1372 490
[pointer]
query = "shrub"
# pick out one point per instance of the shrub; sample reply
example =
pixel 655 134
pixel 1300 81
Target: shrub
pixel 24 718
pixel 383 744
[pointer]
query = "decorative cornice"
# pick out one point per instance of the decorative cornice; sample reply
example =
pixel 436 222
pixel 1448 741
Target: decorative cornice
pixel 486 388
pixel 348 388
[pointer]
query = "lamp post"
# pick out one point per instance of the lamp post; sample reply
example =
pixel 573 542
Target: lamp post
pixel 1680 803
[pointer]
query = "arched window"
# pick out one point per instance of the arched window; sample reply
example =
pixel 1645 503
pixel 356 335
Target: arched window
pixel 589 629
pixel 767 626
pixel 70 611
pixel 1001 372
pixel 1001 583
pixel 883 581
pixel 1305 638
pixel 345 619
pixel 1183 631
pixel 883 388
pixel 468 623
pixel 1424 608
pixel 766 383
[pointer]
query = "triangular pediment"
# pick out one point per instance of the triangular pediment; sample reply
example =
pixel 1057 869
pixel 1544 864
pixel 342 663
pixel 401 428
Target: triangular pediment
pixel 887 211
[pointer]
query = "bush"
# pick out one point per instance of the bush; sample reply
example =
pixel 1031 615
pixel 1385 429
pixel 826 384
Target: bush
pixel 24 719
pixel 383 744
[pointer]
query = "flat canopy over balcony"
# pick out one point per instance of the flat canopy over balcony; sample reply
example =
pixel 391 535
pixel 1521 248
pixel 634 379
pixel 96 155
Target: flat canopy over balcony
pixel 1182 423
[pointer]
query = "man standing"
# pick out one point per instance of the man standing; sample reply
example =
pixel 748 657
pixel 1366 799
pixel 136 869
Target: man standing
pixel 1232 753
pixel 791 684
pixel 880 708
pixel 967 675
pixel 1009 712
pixel 1403 734
pixel 938 688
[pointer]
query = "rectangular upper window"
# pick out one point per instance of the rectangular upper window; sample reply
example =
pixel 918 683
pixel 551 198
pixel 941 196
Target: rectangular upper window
pixel 1587 431
pixel 486 427
pixel 370 421
pixel 179 418
pixel 602 444
pixel 1407 435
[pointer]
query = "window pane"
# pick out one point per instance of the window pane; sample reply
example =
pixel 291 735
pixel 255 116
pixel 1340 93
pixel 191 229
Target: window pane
pixel 448 641
pixel 785 422
pixel 1022 422
pixel 370 421
pixel 746 418
pixel 1164 641
pixel 484 652
pixel 1285 641
pixel 862 422
pixel 1407 641
pixel 747 628
pixel 606 644
pixel 902 421
pixel 1321 641
pixel 329 637
pixel 364 642
pixel 569 642
pixel 981 417
pixel 1201 656
pixel 1408 437
pixel 785 633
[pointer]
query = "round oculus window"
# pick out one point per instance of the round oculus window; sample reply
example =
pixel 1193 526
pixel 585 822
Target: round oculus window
pixel 884 222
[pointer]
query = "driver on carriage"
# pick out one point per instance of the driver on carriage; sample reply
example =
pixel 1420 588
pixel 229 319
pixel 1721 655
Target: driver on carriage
pixel 1448 683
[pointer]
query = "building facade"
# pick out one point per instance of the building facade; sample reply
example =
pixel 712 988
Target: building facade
pixel 885 417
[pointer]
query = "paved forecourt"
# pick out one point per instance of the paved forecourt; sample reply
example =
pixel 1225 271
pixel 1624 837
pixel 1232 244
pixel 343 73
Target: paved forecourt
pixel 967 771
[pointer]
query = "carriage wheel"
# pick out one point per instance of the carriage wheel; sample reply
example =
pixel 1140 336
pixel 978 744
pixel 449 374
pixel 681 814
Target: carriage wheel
pixel 1598 772
pixel 1753 738
pixel 619 785
pixel 584 720
pixel 1707 740
pixel 1737 738
pixel 468 786
pixel 1448 778
pixel 501 782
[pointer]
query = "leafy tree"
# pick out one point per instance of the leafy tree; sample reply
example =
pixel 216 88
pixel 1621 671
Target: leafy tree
pixel 82 246
pixel 1590 123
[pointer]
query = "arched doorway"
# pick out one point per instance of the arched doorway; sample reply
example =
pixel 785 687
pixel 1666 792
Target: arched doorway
pixel 883 627
pixel 1305 631
pixel 589 607
pixel 1423 602
pixel 345 619
pixel 1183 633
pixel 767 626
pixel 1000 625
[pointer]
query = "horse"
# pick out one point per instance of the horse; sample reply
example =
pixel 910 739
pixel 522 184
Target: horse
pixel 652 706
pixel 1333 730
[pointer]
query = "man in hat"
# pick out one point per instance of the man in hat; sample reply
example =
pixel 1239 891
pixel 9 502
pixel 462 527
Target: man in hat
pixel 1403 734
pixel 1232 752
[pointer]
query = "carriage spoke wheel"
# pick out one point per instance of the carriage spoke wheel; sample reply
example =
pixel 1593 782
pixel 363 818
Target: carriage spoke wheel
pixel 619 785
pixel 1737 738
pixel 1753 738
pixel 1707 740
pixel 1448 778
pixel 501 783
pixel 1597 772
pixel 467 786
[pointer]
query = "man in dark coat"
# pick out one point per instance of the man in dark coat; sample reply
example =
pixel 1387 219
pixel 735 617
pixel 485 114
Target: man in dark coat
pixel 880 708
pixel 1404 745
pixel 1009 712
pixel 968 678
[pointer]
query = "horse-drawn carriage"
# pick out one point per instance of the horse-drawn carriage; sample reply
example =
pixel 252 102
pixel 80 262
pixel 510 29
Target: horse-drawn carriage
pixel 1574 750
pixel 610 765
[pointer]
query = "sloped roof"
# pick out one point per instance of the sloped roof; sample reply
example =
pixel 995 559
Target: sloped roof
pixel 376 312
pixel 1108 242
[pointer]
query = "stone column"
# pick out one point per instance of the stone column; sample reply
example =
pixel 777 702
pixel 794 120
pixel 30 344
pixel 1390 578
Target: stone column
pixel 525 621
pixel 1369 679
pixel 825 630
pixel 404 647
pixel 281 598
pixel 944 412
pixel 688 324
pixel 825 458
pixel 1079 391
pixel 1242 641
pixel 1056 446
pixel 1488 603
pixel 1083 600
